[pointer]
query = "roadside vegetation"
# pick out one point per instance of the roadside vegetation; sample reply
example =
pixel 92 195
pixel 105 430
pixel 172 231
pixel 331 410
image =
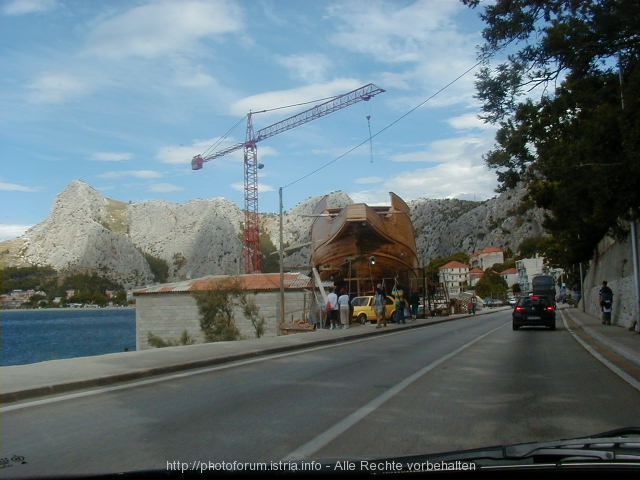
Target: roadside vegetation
pixel 560 80
pixel 217 306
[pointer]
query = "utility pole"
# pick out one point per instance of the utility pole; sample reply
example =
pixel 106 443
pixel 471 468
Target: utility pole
pixel 281 265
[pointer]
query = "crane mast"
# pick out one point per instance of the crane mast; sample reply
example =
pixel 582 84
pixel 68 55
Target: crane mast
pixel 251 249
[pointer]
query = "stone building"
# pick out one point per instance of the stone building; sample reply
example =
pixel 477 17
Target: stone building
pixel 169 310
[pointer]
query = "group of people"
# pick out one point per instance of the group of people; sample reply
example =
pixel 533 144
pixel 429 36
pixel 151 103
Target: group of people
pixel 338 307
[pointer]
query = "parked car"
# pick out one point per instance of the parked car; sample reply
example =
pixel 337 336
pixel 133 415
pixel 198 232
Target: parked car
pixel 363 309
pixel 492 302
pixel 534 310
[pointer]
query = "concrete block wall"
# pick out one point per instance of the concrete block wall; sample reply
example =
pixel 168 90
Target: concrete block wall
pixel 613 263
pixel 167 315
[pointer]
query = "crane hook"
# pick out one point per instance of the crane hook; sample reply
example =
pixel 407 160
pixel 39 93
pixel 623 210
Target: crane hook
pixel 370 141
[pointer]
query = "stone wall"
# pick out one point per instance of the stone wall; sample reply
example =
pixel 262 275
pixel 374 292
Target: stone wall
pixel 168 315
pixel 613 262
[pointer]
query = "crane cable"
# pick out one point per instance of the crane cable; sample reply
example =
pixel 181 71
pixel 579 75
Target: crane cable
pixel 215 146
pixel 370 139
pixel 221 139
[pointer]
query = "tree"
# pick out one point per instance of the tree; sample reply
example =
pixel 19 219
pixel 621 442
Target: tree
pixel 432 269
pixel 491 285
pixel 575 146
pixel 216 313
pixel 159 267
pixel 270 261
pixel 216 307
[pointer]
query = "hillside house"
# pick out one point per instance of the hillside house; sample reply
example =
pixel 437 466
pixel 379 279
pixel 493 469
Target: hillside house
pixel 486 258
pixel 475 274
pixel 455 276
pixel 510 276
pixel 527 269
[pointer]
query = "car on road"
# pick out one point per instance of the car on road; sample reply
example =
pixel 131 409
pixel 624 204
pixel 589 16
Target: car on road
pixel 534 311
pixel 363 309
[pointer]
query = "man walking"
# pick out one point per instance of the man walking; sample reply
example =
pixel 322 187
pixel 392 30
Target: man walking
pixel 606 303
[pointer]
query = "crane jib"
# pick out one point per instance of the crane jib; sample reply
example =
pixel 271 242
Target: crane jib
pixel 361 94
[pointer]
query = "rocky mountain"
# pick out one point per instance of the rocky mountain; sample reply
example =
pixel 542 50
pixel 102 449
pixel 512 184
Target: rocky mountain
pixel 87 232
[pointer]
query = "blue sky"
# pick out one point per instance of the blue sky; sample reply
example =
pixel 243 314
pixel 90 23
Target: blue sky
pixel 122 94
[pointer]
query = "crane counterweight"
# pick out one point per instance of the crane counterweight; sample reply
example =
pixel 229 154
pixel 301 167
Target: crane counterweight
pixel 197 162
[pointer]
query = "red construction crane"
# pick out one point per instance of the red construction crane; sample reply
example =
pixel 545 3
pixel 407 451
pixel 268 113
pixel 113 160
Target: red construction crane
pixel 251 251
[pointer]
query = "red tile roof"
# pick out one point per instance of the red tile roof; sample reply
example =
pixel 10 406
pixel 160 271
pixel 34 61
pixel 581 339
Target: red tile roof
pixel 486 250
pixel 454 264
pixel 254 281
pixel 509 271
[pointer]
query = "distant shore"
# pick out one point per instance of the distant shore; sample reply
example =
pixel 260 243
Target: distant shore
pixel 129 307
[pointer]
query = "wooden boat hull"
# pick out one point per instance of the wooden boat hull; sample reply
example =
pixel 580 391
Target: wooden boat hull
pixel 361 245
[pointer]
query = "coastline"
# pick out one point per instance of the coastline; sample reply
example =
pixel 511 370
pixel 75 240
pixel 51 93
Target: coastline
pixel 62 309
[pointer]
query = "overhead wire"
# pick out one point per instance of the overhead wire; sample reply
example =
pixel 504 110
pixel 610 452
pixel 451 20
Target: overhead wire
pixel 388 126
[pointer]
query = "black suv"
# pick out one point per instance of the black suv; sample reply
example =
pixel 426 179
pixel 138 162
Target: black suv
pixel 534 310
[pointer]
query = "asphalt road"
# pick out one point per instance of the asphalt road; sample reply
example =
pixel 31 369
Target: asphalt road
pixel 454 385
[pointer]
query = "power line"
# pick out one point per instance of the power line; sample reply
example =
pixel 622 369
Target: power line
pixel 388 126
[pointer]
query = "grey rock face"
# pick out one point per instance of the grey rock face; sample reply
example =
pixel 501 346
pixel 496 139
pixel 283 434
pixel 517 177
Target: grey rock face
pixel 87 232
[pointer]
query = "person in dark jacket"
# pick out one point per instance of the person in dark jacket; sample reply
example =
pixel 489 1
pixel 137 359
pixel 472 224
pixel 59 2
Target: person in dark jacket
pixel 606 303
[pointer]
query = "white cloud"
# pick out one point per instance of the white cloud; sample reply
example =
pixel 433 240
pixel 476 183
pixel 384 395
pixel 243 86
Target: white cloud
pixel 8 231
pixel 462 180
pixel 454 149
pixel 368 180
pixel 23 7
pixel 111 156
pixel 468 121
pixel 164 187
pixel 57 88
pixel 308 67
pixel 165 27
pixel 466 180
pixel 295 96
pixel 145 174
pixel 180 154
pixel 14 187
pixel 389 33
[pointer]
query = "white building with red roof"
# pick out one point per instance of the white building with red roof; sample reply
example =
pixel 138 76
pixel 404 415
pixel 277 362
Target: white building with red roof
pixel 455 276
pixel 486 258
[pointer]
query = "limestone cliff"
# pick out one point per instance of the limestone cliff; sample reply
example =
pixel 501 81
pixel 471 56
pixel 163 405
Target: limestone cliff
pixel 91 233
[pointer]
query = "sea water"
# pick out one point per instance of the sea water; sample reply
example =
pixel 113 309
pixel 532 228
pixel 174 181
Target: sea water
pixel 29 336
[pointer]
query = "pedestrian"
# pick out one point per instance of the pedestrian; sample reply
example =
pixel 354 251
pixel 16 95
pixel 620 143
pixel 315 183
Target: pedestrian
pixel 400 303
pixel 415 301
pixel 379 303
pixel 474 301
pixel 343 303
pixel 606 302
pixel 332 308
